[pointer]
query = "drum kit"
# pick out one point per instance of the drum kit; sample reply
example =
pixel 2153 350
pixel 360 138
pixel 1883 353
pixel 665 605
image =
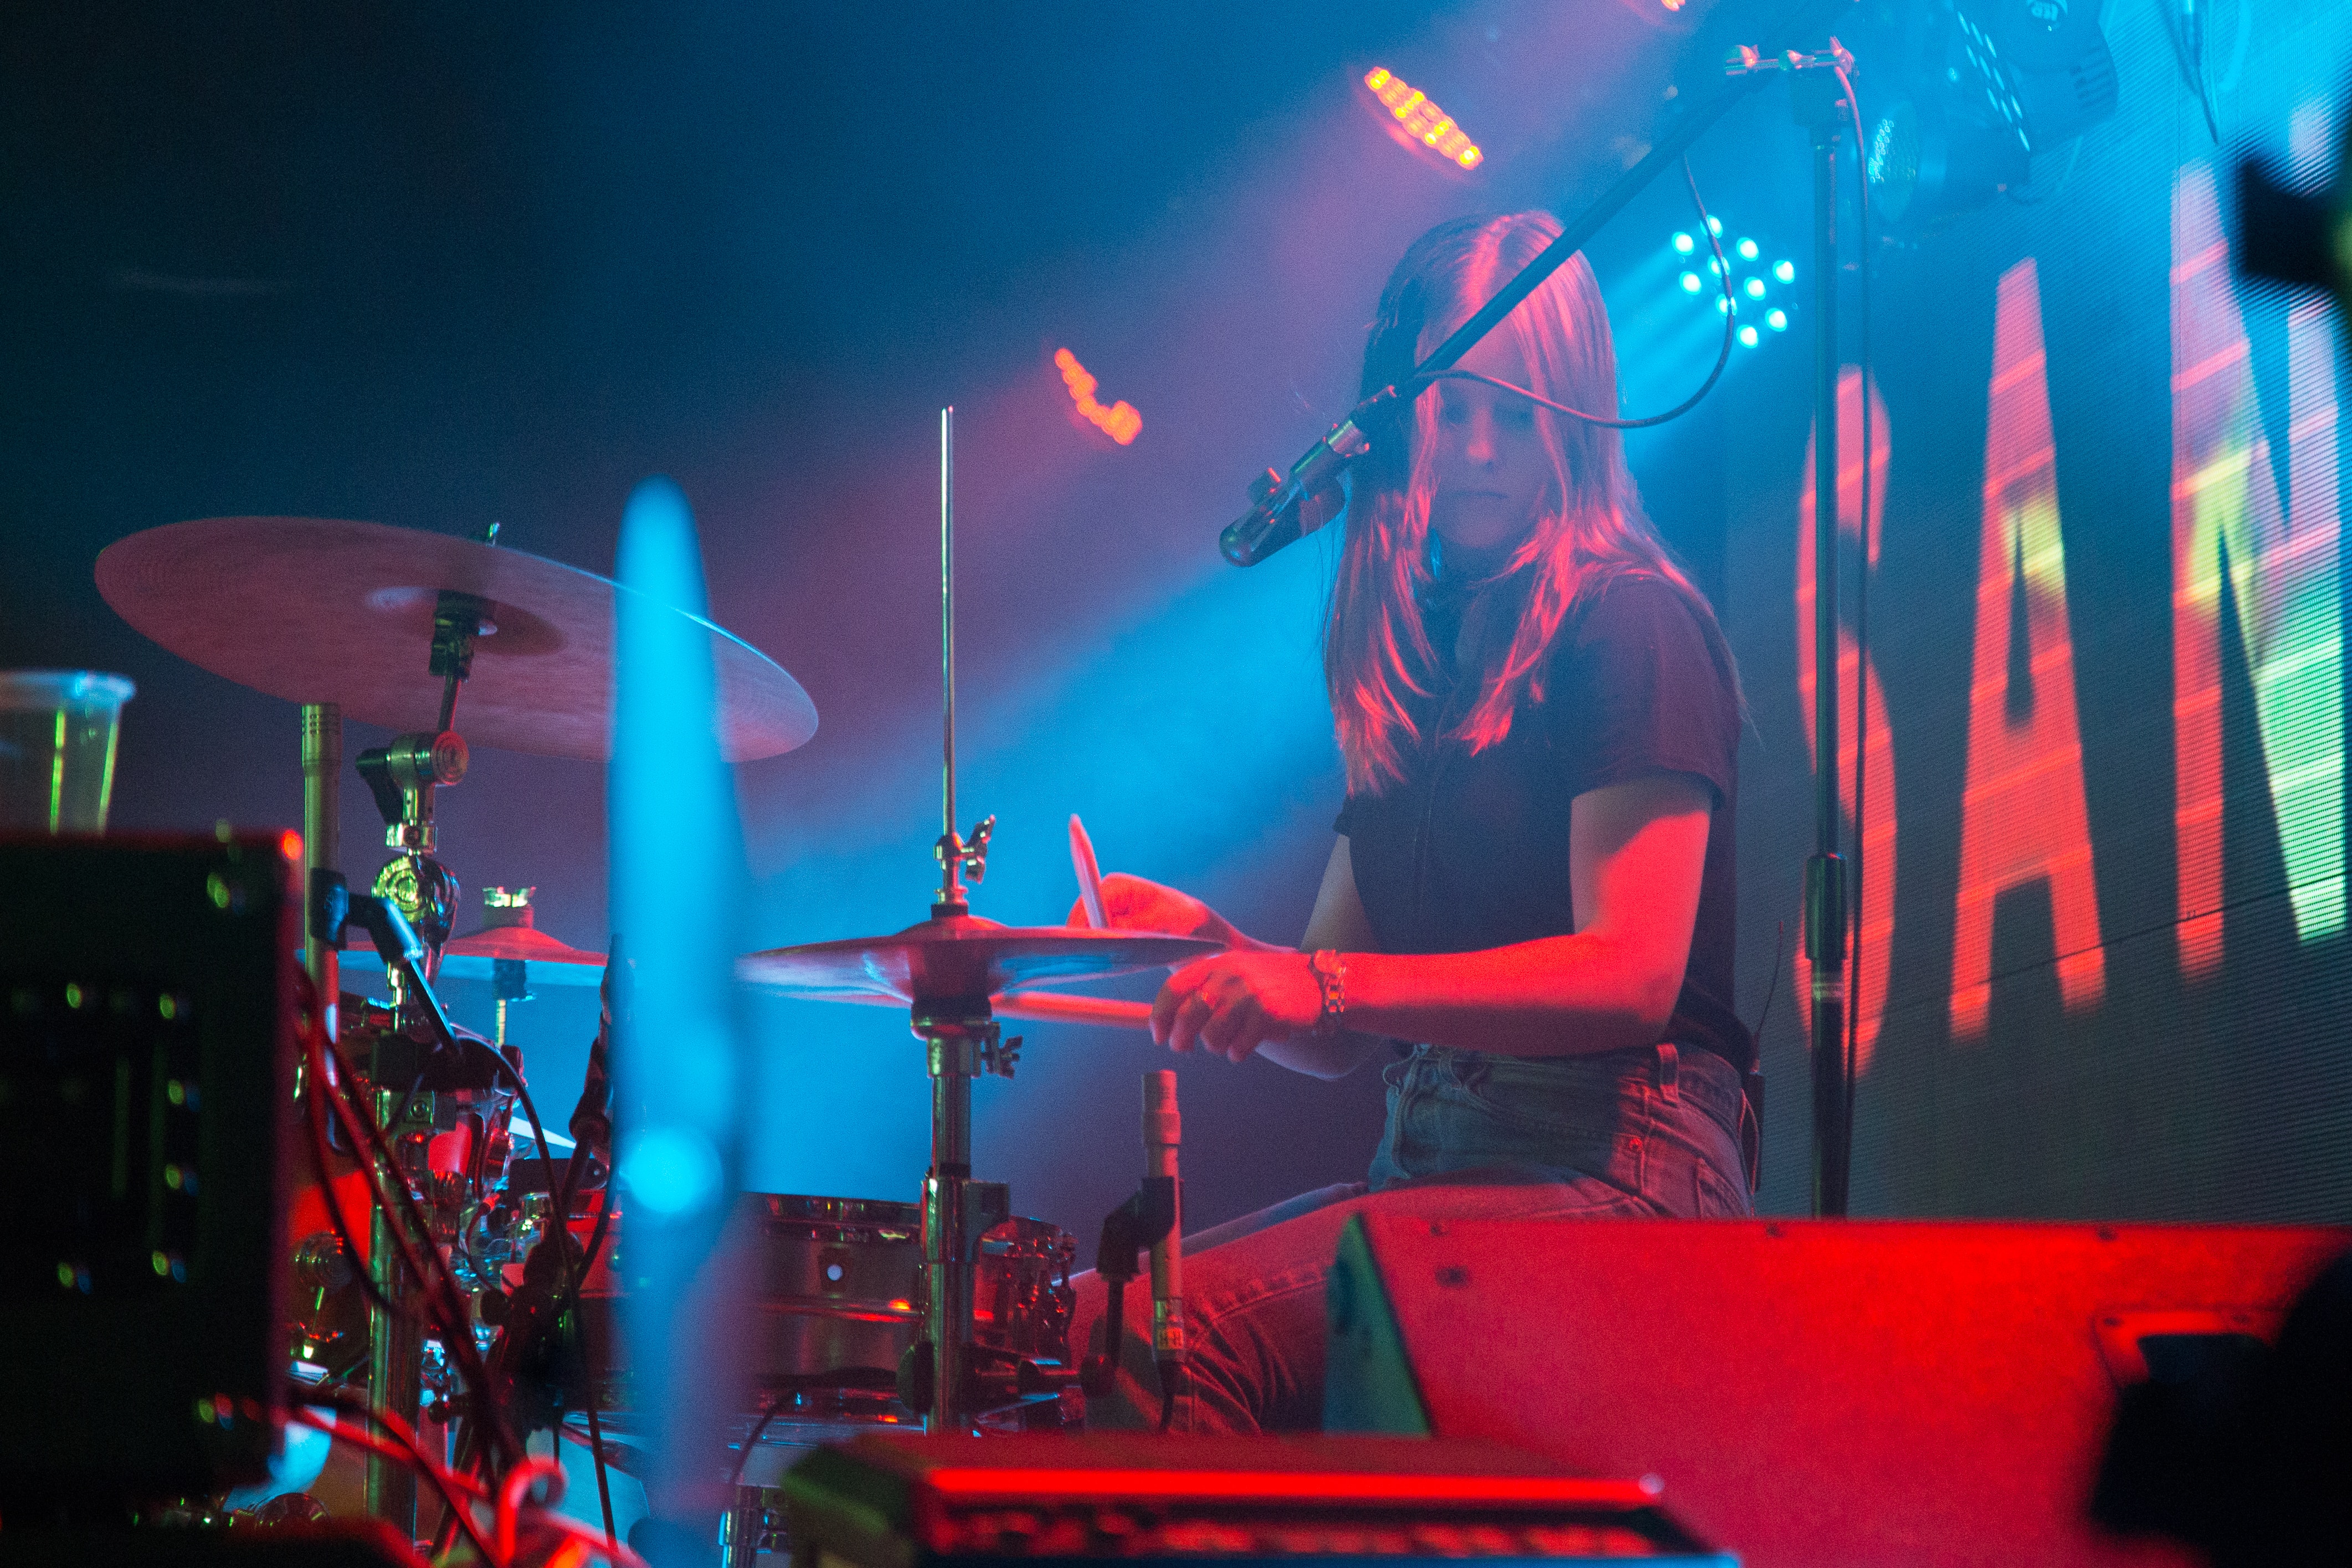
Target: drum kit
pixel 951 1311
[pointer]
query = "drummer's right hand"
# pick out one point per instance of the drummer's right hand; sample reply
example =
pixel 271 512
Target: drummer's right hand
pixel 1134 903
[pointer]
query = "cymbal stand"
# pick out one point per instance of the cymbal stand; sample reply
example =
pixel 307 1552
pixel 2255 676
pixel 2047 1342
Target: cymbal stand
pixel 403 776
pixel 961 1039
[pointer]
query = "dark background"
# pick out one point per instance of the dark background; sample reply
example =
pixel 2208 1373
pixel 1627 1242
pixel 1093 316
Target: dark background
pixel 441 266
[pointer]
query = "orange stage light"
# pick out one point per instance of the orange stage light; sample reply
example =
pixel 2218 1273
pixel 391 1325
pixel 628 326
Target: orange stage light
pixel 1421 121
pixel 1119 421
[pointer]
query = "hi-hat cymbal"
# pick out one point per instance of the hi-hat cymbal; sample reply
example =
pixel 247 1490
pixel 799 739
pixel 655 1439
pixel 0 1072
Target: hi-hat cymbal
pixel 314 609
pixel 960 956
pixel 524 944
pixel 481 966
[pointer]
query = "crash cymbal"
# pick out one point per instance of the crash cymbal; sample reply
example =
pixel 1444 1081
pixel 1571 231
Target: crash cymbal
pixel 313 609
pixel 961 956
pixel 525 944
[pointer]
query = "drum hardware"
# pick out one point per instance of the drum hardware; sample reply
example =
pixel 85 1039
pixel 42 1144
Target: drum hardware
pixel 333 615
pixel 753 1524
pixel 946 971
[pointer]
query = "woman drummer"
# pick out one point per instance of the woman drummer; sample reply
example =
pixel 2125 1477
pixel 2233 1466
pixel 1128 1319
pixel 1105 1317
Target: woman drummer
pixel 1532 882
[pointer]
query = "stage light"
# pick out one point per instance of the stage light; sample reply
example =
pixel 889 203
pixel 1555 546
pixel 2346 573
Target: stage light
pixel 1747 337
pixel 1421 121
pixel 1119 421
pixel 1786 271
pixel 1755 289
pixel 1722 305
pixel 1685 244
pixel 1777 319
pixel 1964 109
pixel 1747 249
pixel 1690 283
pixel 1715 226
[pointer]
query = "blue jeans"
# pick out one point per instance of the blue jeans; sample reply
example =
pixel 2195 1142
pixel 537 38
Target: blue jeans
pixel 1651 1133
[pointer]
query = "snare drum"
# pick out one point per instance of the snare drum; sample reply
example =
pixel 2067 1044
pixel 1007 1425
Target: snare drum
pixel 838 1285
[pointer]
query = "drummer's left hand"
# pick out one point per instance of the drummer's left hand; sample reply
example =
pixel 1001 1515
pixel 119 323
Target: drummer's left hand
pixel 1233 1002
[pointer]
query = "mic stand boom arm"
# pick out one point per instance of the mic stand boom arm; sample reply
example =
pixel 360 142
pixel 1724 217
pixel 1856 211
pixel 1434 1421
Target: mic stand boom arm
pixel 1273 521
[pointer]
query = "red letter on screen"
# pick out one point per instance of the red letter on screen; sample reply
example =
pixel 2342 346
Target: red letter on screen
pixel 2022 817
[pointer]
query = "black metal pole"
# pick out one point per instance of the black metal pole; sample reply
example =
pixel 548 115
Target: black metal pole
pixel 1820 106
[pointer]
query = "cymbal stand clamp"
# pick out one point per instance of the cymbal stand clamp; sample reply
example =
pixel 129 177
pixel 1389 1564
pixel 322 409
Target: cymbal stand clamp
pixel 959 858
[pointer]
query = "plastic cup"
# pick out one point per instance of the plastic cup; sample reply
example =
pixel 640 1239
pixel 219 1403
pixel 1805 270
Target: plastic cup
pixel 58 730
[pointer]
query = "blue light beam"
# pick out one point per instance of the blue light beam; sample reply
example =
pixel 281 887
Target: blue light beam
pixel 677 897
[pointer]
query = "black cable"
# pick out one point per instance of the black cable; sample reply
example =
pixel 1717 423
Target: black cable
pixel 774 1408
pixel 569 1291
pixel 1861 622
pixel 314 1116
pixel 444 1303
pixel 1772 986
pixel 1730 327
pixel 604 1484
pixel 404 1436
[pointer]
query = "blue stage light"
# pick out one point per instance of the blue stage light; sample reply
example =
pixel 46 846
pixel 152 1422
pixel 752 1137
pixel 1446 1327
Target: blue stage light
pixel 1748 336
pixel 1721 305
pixel 1747 249
pixel 1715 226
pixel 1684 245
pixel 1690 283
pixel 1786 271
pixel 1755 289
pixel 1777 319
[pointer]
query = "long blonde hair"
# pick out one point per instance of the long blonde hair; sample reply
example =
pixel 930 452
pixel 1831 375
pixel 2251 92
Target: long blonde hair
pixel 1377 652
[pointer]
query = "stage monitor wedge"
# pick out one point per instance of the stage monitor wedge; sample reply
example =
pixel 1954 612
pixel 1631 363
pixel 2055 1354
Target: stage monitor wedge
pixel 1809 1392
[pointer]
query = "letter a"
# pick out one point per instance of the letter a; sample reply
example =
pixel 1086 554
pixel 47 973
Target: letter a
pixel 2021 817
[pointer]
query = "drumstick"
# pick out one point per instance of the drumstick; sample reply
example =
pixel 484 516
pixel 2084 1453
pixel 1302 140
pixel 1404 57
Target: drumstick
pixel 1082 857
pixel 1048 1007
pixel 1040 1007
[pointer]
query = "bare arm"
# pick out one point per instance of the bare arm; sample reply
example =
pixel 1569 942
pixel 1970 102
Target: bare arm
pixel 1636 852
pixel 1635 855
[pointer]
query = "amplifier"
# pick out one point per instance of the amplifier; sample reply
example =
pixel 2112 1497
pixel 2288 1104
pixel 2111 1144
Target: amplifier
pixel 146 1075
pixel 892 1501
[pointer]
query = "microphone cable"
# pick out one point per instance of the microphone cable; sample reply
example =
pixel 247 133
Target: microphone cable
pixel 1723 358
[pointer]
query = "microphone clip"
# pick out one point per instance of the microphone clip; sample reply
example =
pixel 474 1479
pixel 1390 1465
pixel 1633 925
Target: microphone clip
pixel 1148 1214
pixel 1278 500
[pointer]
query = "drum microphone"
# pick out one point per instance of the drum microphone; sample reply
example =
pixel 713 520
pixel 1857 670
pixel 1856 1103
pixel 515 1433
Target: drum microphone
pixel 1163 1134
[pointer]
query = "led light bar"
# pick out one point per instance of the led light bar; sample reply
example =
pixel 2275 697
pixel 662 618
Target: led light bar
pixel 1421 120
pixel 1119 421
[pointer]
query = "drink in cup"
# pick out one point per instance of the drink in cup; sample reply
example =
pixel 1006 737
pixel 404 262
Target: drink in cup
pixel 58 730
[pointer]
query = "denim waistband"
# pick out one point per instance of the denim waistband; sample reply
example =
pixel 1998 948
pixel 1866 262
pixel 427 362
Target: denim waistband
pixel 1690 1073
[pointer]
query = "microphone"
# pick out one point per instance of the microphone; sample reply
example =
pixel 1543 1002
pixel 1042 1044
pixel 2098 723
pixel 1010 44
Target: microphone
pixel 1163 1134
pixel 1279 501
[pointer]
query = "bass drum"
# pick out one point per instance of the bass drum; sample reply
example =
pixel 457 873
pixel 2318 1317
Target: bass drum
pixel 837 1286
